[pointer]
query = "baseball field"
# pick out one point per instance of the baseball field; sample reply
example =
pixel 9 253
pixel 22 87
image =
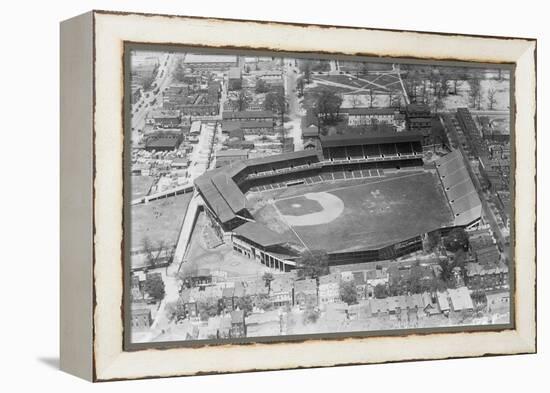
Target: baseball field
pixel 356 215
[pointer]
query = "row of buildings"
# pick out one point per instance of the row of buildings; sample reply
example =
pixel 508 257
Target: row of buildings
pixel 414 117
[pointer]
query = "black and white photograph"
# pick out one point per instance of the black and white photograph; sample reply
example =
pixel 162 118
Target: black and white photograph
pixel 273 196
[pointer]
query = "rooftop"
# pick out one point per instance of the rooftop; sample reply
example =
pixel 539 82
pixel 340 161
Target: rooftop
pixel 259 234
pixel 209 58
pixel 370 139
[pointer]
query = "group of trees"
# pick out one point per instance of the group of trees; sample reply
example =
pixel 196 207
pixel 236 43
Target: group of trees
pixel 475 92
pixel 312 264
pixel 242 100
pixel 154 286
pixel 180 71
pixel 348 292
pixel 416 280
pixel 262 86
pixel 456 239
pixel 328 106
pixel 430 85
pixel 156 253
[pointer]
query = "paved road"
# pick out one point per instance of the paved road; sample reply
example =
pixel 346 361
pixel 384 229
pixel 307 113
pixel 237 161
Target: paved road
pixel 294 110
pixel 162 82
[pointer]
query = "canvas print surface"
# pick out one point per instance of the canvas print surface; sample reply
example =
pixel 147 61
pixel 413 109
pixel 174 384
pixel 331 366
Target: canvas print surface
pixel 275 197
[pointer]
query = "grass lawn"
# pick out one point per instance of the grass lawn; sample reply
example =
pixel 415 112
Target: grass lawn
pixel 158 220
pixel 140 185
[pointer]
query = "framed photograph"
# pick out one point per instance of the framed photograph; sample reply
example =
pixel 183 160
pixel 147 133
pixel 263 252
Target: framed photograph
pixel 243 195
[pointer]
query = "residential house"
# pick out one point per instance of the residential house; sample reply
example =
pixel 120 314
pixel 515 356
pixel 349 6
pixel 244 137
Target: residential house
pixel 141 318
pixel 329 288
pixel 165 118
pixel 257 290
pixel 369 116
pixel 487 276
pixel 460 299
pixel 305 292
pixel 430 306
pixel 248 116
pixel 443 302
pixel 228 298
pixel 198 277
pixel 360 284
pixel 238 327
pixel 163 143
pixel 375 277
pixel 234 78
pixel 136 288
pixel 281 293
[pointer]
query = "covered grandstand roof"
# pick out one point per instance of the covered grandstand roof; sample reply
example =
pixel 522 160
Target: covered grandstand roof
pixel 371 139
pixel 214 199
pixel 221 192
pixel 259 234
pixel 229 191
pixel 459 188
pixel 283 157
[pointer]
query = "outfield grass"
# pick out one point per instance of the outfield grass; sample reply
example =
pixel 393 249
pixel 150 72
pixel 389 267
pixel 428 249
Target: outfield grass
pixel 377 212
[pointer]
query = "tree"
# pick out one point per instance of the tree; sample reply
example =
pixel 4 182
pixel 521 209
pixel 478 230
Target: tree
pixel 355 101
pixel 149 251
pixel 312 264
pixel 415 284
pixel 245 304
pixel 179 72
pixel 262 86
pixel 311 313
pixel 460 258
pixel 300 86
pixel 475 92
pixel 263 302
pixel 208 308
pixel 433 241
pixel 306 69
pixel 380 291
pixel 371 98
pixel 154 286
pixel 268 277
pixel 328 106
pixel 491 99
pixel 456 239
pixel 446 270
pixel 275 102
pixel 364 68
pixel 348 292
pixel 242 101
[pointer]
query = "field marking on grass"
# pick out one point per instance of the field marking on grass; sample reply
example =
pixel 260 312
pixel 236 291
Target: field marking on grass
pixel 355 185
pixel 281 216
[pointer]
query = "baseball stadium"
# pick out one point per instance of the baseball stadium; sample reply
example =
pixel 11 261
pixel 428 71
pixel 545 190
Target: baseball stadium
pixel 358 198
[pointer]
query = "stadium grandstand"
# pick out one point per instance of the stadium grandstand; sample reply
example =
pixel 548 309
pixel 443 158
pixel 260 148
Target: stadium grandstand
pixel 340 158
pixel 459 189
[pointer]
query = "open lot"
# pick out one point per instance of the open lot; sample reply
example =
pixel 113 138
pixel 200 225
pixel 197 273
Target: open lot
pixel 141 185
pixel 221 258
pixel 160 221
pixel 373 213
